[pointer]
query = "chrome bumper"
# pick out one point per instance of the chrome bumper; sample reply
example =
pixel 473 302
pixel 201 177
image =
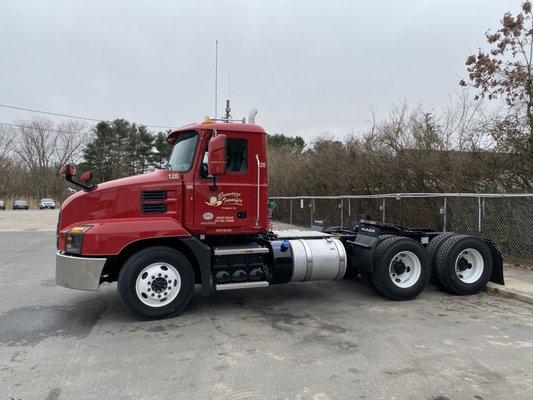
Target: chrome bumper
pixel 79 272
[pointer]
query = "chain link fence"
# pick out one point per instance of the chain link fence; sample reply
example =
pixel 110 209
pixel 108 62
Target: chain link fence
pixel 507 219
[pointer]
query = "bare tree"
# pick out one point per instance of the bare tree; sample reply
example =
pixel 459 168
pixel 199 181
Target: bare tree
pixel 43 147
pixel 506 70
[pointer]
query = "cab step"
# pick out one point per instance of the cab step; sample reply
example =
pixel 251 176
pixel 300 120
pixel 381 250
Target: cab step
pixel 229 250
pixel 241 285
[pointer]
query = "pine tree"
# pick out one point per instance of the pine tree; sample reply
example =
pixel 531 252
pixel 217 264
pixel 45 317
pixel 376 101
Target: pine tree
pixel 162 149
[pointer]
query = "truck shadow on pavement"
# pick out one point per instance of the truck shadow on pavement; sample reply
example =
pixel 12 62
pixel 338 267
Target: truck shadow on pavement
pixel 30 325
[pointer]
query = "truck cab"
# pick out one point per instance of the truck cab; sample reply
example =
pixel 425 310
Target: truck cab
pixel 232 197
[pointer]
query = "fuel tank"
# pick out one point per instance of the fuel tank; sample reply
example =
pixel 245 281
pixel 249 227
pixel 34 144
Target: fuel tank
pixel 300 260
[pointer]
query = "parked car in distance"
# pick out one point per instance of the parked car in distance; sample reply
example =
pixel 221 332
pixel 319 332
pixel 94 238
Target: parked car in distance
pixel 20 205
pixel 2 205
pixel 47 202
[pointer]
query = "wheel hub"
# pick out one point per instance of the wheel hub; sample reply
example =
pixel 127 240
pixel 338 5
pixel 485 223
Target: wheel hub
pixel 469 265
pixel 463 264
pixel 405 269
pixel 399 267
pixel 158 284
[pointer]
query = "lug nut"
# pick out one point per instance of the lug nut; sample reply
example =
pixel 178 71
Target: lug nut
pixel 153 277
pixel 158 296
pixel 166 276
pixel 169 281
pixel 148 289
pixel 153 295
pixel 158 274
pixel 165 293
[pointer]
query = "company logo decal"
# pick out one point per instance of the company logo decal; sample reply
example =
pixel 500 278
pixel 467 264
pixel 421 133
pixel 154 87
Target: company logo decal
pixel 208 216
pixel 229 199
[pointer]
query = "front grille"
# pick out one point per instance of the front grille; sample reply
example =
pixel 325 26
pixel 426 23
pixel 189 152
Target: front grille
pixel 154 208
pixel 154 195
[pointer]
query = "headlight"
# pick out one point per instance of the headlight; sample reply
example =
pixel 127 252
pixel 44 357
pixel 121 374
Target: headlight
pixel 75 239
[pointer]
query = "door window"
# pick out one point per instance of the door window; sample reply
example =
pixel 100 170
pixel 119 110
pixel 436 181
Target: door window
pixel 237 155
pixel 236 158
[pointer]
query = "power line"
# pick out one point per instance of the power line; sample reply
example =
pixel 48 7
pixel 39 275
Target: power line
pixel 74 116
pixel 33 127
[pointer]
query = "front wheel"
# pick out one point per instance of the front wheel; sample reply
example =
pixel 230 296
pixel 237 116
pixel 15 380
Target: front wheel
pixel 401 268
pixel 156 282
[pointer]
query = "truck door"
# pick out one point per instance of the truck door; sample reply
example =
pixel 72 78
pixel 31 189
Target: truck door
pixel 228 208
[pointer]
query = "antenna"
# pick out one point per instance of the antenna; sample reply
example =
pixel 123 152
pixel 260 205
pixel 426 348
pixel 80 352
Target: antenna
pixel 228 107
pixel 216 77
pixel 229 84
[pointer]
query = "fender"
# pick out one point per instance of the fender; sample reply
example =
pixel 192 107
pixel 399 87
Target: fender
pixel 108 237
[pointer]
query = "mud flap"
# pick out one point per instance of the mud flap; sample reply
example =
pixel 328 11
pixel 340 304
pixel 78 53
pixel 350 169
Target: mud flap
pixel 203 255
pixel 497 263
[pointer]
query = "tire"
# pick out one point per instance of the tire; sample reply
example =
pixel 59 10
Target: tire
pixel 139 297
pixel 408 261
pixel 464 265
pixel 432 250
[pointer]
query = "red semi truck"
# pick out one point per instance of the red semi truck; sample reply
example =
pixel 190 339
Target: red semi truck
pixel 204 220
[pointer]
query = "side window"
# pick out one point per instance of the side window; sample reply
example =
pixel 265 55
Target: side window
pixel 237 158
pixel 237 155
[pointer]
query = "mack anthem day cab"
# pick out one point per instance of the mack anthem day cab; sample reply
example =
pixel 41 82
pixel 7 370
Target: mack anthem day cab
pixel 204 220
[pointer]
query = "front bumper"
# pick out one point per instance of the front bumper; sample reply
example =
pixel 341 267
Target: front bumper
pixel 81 273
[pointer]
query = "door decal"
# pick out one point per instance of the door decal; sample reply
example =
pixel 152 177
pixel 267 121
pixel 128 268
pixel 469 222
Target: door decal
pixel 226 199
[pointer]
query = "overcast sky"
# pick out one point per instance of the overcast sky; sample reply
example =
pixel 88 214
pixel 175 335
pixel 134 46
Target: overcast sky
pixel 308 66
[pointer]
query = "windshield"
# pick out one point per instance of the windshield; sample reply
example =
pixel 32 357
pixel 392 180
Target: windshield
pixel 47 199
pixel 183 152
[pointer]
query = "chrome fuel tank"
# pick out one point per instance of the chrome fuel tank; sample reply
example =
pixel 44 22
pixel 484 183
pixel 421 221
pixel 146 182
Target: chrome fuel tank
pixel 300 260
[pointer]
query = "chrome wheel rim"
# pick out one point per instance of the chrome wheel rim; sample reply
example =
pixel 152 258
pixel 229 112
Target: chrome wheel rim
pixel 405 269
pixel 158 284
pixel 469 265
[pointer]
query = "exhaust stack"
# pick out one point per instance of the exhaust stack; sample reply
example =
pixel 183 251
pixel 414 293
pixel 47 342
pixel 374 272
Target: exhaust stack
pixel 251 116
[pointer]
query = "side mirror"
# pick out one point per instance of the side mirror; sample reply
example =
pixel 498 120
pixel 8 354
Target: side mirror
pixel 217 155
pixel 86 177
pixel 68 170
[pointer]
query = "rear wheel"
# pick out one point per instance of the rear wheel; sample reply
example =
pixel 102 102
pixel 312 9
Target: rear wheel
pixel 156 282
pixel 464 265
pixel 432 249
pixel 401 268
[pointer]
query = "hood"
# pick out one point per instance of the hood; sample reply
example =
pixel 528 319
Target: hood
pixel 120 198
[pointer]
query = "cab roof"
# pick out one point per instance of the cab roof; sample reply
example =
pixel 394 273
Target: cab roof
pixel 219 126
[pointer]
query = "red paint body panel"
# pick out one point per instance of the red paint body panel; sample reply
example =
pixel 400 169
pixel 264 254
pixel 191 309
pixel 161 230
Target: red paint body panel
pixel 111 236
pixel 114 208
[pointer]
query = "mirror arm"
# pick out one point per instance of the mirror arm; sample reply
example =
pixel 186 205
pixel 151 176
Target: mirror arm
pixel 86 188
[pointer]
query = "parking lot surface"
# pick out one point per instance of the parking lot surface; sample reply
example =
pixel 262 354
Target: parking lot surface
pixel 317 340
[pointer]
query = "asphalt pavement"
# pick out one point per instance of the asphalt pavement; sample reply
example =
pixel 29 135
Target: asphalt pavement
pixel 317 340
